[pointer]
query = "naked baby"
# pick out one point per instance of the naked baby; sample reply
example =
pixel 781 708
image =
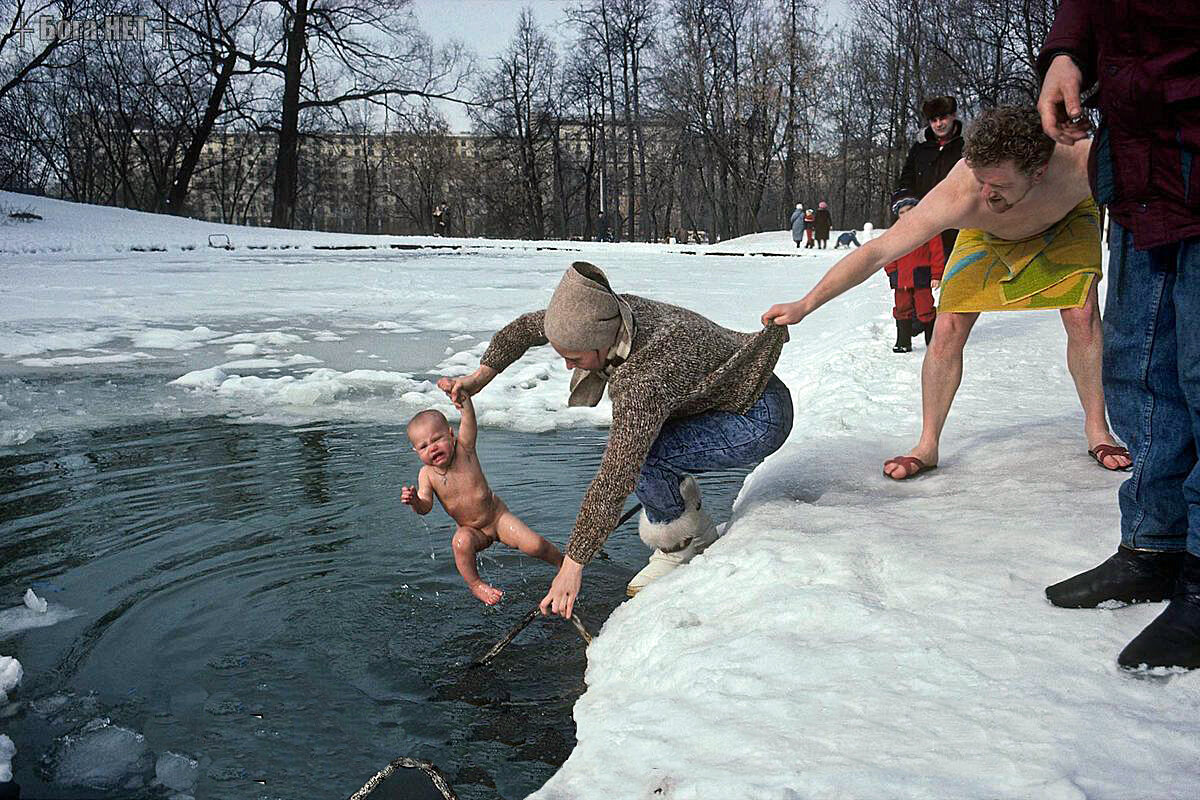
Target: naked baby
pixel 452 473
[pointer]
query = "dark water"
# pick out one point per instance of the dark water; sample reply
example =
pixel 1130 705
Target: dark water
pixel 257 598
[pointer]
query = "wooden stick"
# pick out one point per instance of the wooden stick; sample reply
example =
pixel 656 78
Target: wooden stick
pixel 508 637
pixel 535 611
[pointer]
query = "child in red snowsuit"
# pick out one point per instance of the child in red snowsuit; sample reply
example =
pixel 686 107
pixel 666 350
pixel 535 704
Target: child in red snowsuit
pixel 810 224
pixel 914 277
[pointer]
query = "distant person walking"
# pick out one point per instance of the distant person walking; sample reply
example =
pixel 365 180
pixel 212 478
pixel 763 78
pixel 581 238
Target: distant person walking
pixel 821 224
pixel 810 224
pixel 932 157
pixel 798 224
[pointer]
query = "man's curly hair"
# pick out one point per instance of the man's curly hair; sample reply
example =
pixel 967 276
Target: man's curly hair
pixel 1008 133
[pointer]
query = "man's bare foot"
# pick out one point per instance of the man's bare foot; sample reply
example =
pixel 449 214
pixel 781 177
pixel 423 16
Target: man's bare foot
pixel 488 594
pixel 902 467
pixel 1113 457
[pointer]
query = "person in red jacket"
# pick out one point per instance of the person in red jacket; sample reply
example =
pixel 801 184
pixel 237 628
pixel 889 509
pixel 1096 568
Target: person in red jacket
pixel 914 277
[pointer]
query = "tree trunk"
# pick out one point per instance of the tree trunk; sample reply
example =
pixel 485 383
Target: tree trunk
pixel 177 198
pixel 287 167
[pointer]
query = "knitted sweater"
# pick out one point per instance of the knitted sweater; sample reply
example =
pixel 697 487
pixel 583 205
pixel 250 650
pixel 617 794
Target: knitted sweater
pixel 680 364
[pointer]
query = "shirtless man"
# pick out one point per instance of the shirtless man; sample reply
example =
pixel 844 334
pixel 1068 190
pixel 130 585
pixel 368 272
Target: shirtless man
pixel 1017 190
pixel 452 473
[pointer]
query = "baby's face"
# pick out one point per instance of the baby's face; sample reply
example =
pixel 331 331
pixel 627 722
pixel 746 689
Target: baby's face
pixel 433 442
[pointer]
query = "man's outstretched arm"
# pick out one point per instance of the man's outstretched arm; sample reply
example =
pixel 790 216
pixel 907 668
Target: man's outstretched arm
pixel 938 211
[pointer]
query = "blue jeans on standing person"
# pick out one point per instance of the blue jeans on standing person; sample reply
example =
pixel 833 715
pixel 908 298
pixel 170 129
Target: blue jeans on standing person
pixel 1152 388
pixel 714 440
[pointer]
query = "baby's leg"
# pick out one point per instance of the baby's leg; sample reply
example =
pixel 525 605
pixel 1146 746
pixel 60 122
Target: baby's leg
pixel 466 543
pixel 515 533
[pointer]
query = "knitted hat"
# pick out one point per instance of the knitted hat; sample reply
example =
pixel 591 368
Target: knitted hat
pixel 822 204
pixel 584 313
pixel 902 198
pixel 939 107
pixel 799 207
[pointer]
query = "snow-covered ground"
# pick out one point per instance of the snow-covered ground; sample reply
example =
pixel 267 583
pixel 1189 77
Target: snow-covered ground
pixel 849 637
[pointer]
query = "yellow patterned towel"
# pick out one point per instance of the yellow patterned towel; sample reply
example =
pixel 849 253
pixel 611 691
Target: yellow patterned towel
pixel 1053 269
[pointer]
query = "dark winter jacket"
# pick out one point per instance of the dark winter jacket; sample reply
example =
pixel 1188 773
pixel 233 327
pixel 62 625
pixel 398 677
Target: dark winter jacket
pixel 1145 54
pixel 929 162
pixel 798 225
pixel 918 268
pixel 822 223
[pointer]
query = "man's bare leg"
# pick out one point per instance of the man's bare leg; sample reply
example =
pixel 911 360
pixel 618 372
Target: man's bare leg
pixel 515 533
pixel 465 544
pixel 941 373
pixel 1085 348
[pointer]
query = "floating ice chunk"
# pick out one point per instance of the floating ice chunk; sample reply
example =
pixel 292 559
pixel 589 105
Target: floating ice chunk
pixel 246 349
pixel 176 772
pixel 79 361
pixel 209 378
pixel 13 438
pixel 7 751
pixel 266 338
pixel 174 339
pixel 19 618
pixel 328 336
pixel 267 363
pixel 10 676
pixel 35 603
pixel 101 756
pixel 395 327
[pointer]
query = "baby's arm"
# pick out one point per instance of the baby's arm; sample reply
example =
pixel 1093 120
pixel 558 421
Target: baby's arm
pixel 421 496
pixel 467 428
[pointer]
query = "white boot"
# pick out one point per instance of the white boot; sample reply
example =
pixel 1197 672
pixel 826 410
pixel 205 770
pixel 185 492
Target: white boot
pixel 675 542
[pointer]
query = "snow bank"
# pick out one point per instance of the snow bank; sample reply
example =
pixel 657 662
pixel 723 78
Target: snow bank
pixel 852 637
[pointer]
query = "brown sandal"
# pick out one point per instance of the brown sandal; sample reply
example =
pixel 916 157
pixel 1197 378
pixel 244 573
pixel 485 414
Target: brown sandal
pixel 913 467
pixel 1103 451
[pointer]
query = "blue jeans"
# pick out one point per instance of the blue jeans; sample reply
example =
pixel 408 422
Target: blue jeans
pixel 1152 388
pixel 715 440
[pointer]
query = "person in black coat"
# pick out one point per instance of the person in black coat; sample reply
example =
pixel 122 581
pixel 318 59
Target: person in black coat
pixel 931 158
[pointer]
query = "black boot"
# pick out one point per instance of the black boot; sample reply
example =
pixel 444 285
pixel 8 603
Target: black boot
pixel 903 336
pixel 1130 576
pixel 1173 638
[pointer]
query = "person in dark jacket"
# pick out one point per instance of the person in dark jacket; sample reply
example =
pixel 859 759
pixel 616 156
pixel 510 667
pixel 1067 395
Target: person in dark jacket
pixel 932 157
pixel 821 224
pixel 1145 166
pixel 797 222
pixel 846 239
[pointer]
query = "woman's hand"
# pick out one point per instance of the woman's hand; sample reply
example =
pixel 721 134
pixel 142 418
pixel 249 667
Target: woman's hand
pixel 786 313
pixel 564 590
pixel 467 385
